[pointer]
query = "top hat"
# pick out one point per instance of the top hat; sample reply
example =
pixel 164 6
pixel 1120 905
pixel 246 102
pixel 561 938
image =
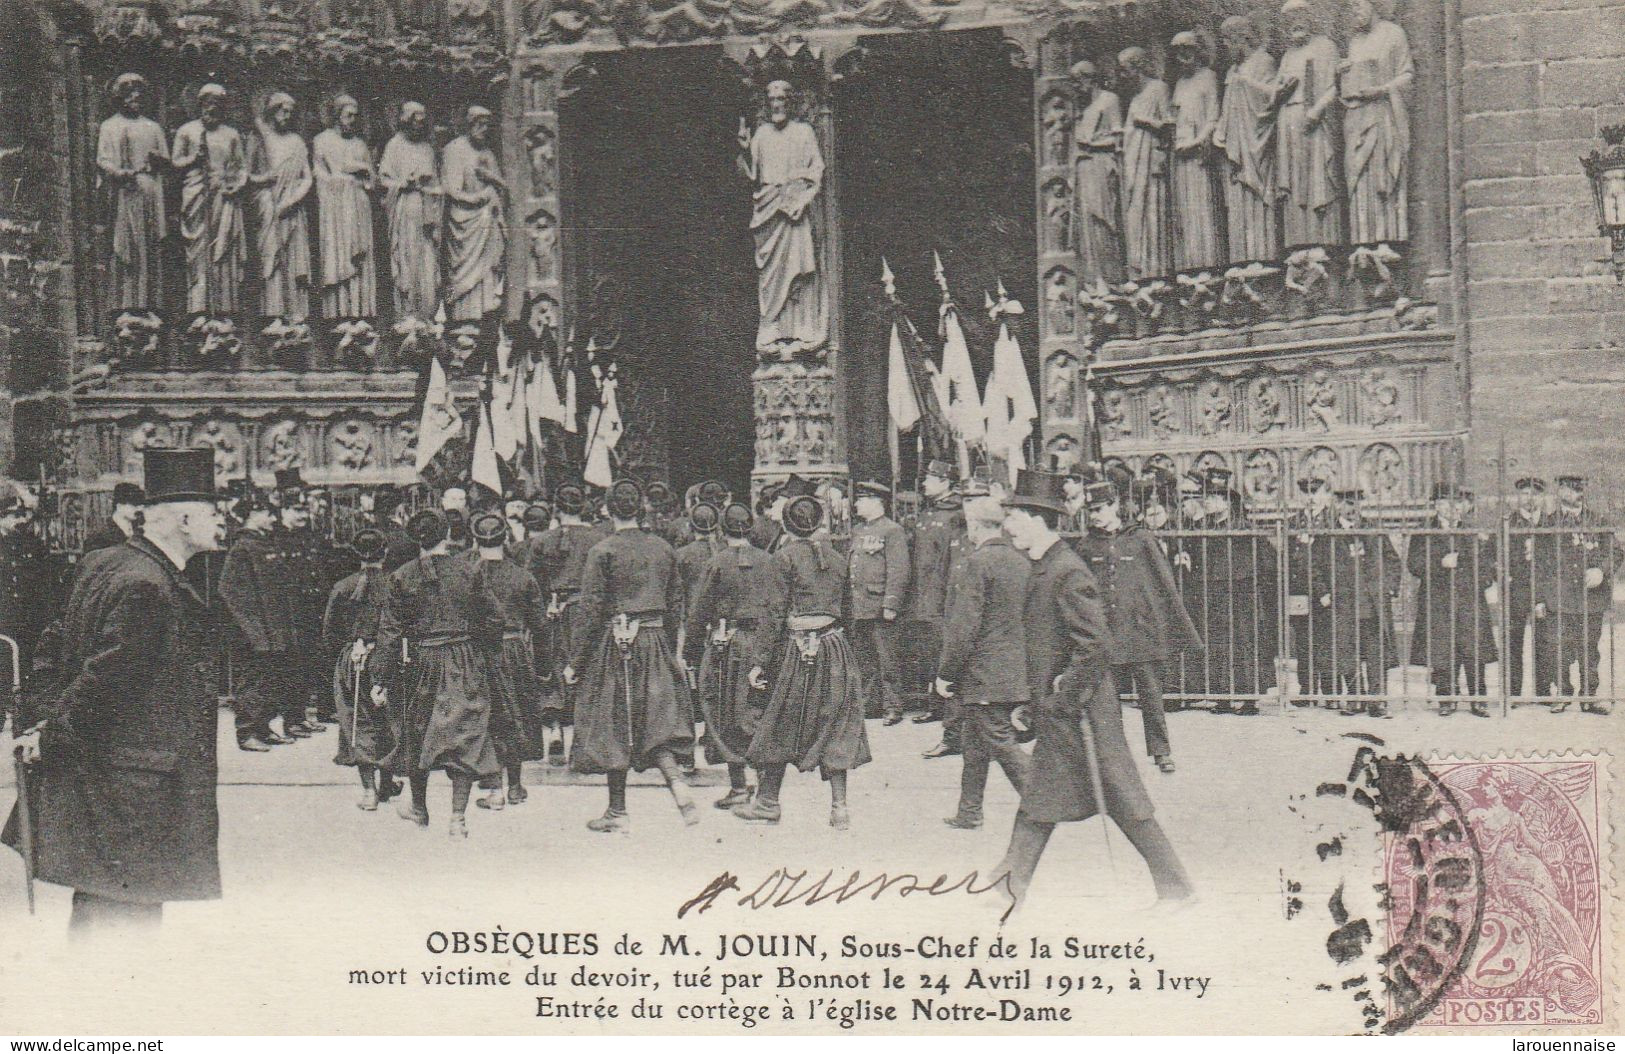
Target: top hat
pixel 128 494
pixel 1571 482
pixel 704 517
pixel 625 499
pixel 369 545
pixel 537 516
pixel 386 499
pixel 798 487
pixel 427 527
pixel 871 489
pixel 713 492
pixel 489 528
pixel 289 479
pixel 1100 493
pixel 737 520
pixel 1531 483
pixel 1038 490
pixel 658 493
pixel 1310 484
pixel 803 515
pixel 178 475
pixel 939 468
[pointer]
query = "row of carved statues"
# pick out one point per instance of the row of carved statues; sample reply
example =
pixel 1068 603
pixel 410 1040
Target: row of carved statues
pixel 446 236
pixel 1212 171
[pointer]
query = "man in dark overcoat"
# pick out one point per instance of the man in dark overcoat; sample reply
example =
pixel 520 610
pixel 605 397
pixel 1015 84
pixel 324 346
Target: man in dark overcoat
pixel 1144 611
pixel 1526 542
pixel 1351 588
pixel 1454 632
pixel 1573 593
pixel 121 760
pixel 1077 716
pixel 877 580
pixel 938 543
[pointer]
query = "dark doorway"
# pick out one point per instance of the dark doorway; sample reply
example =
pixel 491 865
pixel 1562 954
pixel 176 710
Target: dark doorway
pixel 658 219
pixel 934 134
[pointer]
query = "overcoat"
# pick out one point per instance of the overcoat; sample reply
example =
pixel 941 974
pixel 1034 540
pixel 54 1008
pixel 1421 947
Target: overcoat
pixel 1144 609
pixel 124 796
pixel 878 569
pixel 982 640
pixel 1454 626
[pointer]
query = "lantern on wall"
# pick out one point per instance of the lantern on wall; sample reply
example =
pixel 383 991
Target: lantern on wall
pixel 1606 169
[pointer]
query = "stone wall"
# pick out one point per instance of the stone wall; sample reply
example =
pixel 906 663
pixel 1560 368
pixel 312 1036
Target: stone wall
pixel 1545 319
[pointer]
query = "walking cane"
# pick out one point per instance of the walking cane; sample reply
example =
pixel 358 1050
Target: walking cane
pixel 25 811
pixel 1093 760
pixel 355 706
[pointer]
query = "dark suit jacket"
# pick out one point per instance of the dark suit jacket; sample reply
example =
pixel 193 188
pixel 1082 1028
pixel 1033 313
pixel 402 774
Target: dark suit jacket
pixel 1064 623
pixel 982 640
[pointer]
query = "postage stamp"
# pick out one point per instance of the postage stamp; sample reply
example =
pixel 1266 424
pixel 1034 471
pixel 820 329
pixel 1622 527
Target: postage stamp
pixel 1536 837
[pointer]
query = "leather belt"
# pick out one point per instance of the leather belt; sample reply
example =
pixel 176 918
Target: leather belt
pixel 441 639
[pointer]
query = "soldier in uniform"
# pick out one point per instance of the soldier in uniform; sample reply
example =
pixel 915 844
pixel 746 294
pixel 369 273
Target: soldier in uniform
pixel 1454 632
pixel 981 653
pixel 705 522
pixel 633 711
pixel 1528 516
pixel 350 629
pixel 877 578
pixel 264 601
pixel 300 576
pixel 516 714
pixel 1077 714
pixel 1308 554
pixel 814 718
pixel 428 667
pixel 662 517
pixel 729 618
pixel 124 523
pixel 122 756
pixel 1574 589
pixel 937 545
pixel 556 562
pixel 1350 597
pixel 1147 620
pixel 389 512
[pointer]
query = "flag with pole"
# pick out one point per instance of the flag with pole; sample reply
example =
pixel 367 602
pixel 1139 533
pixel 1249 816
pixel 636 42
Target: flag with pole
pixel 964 402
pixel 901 403
pixel 484 469
pixel 506 406
pixel 604 429
pixel 1011 408
pixel 439 423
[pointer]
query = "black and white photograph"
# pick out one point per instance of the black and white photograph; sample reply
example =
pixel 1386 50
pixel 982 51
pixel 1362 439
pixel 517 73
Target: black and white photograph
pixel 833 518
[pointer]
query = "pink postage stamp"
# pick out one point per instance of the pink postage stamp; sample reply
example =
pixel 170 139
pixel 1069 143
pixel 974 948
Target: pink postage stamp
pixel 1541 952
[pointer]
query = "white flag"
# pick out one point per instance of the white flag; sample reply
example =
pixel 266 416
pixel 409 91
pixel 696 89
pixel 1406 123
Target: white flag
pixel 542 399
pixel 440 421
pixel 506 385
pixel 1011 408
pixel 900 400
pixel 570 416
pixel 484 470
pixel 604 430
pixel 963 404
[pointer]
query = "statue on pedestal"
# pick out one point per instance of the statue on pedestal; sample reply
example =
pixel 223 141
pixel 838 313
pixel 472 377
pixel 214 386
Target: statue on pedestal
pixel 1147 251
pixel 210 153
pixel 475 238
pixel 1376 126
pixel 783 161
pixel 132 154
pixel 1246 137
pixel 280 174
pixel 1097 177
pixel 1198 241
pixel 1311 213
pixel 414 201
pixel 345 181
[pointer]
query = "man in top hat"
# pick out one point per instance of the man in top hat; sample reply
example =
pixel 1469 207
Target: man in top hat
pixel 877 578
pixel 1353 586
pixel 125 521
pixel 1526 543
pixel 982 654
pixel 729 623
pixel 1078 718
pixel 1144 613
pixel 261 590
pixel 121 757
pixel 937 546
pixel 633 710
pixel 1454 632
pixel 350 631
pixel 516 713
pixel 1573 591
pixel 556 562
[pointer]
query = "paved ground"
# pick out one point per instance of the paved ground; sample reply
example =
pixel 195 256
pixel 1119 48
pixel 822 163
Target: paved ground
pixel 314 887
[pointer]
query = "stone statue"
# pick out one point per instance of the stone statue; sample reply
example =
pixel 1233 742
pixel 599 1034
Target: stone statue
pixel 1058 220
pixel 1375 81
pixel 1147 251
pixel 1311 212
pixel 1097 178
pixel 1198 239
pixel 1322 400
pixel 1055 119
pixel 210 153
pixel 413 200
pixel 782 160
pixel 131 153
pixel 475 238
pixel 1216 409
pixel 279 172
pixel 1246 138
pixel 345 180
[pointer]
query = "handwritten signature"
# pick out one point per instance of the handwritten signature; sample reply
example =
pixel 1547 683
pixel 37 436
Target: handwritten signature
pixel 783 888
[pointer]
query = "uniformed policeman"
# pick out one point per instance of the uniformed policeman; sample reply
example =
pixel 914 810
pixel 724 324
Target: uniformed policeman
pixel 1573 593
pixel 1352 589
pixel 1525 540
pixel 729 619
pixel 877 579
pixel 350 630
pixel 556 563
pixel 302 572
pixel 1238 598
pixel 982 650
pixel 938 544
pixel 1308 547
pixel 633 711
pixel 1453 634
pixel 261 592
pixel 1147 619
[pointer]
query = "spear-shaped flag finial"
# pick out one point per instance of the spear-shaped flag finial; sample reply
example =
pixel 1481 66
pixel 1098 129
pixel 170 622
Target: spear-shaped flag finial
pixel 988 305
pixel 888 280
pixel 938 273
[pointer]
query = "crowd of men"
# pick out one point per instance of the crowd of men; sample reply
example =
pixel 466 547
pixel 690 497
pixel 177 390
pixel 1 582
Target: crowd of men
pixel 633 629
